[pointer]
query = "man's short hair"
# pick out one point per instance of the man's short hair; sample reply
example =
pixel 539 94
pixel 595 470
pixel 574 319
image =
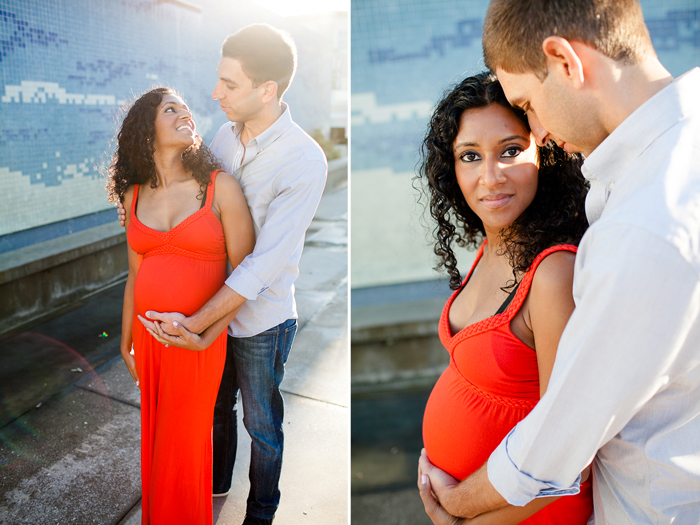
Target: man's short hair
pixel 265 53
pixel 515 29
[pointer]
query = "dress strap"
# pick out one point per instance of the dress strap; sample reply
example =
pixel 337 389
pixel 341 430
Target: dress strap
pixel 479 254
pixel 212 186
pixel 526 281
pixel 455 293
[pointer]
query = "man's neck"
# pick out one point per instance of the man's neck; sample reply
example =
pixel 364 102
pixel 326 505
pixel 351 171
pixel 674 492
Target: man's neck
pixel 261 121
pixel 630 87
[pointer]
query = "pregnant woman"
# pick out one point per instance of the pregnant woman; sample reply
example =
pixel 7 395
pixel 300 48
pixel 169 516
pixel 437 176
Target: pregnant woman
pixel 184 216
pixel 490 184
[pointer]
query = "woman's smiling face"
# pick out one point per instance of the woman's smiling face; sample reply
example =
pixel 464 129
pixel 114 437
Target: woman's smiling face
pixel 496 165
pixel 174 125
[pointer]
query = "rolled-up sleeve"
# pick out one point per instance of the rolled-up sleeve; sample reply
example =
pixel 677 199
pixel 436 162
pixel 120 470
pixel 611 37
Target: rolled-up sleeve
pixel 637 299
pixel 298 192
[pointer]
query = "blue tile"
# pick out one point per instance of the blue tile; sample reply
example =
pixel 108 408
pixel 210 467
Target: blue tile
pixel 116 49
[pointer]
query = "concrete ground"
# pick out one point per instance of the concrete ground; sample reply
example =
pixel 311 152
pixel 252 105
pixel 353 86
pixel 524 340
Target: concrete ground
pixel 70 416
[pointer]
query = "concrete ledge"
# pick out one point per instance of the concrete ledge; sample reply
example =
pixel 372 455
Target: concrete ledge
pixel 394 334
pixel 44 255
pixel 396 348
pixel 395 321
pixel 39 279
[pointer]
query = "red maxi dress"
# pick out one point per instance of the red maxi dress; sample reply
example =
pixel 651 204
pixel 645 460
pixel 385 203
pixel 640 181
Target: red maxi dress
pixel 181 269
pixel 492 382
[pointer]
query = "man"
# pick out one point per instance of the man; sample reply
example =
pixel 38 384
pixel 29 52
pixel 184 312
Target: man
pixel 282 172
pixel 626 382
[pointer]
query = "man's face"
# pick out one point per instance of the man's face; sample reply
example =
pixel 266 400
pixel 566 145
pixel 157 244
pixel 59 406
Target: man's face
pixel 551 110
pixel 235 92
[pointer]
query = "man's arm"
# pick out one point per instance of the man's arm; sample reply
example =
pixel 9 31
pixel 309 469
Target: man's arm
pixel 298 191
pixel 198 333
pixel 626 340
pixel 176 329
pixel 289 215
pixel 468 498
pixel 464 499
pixel 503 514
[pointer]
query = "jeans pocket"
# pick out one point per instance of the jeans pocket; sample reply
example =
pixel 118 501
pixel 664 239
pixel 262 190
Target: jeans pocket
pixel 288 339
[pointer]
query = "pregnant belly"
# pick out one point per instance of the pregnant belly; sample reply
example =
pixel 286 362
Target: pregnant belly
pixel 173 283
pixel 461 427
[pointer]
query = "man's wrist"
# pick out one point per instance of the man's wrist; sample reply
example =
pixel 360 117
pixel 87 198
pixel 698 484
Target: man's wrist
pixel 472 496
pixel 194 324
pixel 455 501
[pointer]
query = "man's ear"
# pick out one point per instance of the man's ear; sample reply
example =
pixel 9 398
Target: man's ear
pixel 268 91
pixel 562 59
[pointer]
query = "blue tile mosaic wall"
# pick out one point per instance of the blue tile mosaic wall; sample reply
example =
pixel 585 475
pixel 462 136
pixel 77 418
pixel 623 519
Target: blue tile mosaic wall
pixel 67 67
pixel 405 53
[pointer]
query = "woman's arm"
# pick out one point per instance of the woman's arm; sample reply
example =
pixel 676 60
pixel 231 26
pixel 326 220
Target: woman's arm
pixel 128 308
pixel 231 208
pixel 550 305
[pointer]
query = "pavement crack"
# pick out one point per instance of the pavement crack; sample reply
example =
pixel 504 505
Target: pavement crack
pixel 129 512
pixel 108 396
pixel 313 398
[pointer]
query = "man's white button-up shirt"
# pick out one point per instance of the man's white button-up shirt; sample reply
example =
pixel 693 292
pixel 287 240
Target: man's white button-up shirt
pixel 626 381
pixel 282 173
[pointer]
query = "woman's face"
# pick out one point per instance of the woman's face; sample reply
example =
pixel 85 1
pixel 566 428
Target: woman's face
pixel 174 126
pixel 496 165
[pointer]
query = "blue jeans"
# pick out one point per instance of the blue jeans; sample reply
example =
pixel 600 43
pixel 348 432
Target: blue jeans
pixel 255 365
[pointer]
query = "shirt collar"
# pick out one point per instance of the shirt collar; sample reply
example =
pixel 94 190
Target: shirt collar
pixel 272 133
pixel 608 162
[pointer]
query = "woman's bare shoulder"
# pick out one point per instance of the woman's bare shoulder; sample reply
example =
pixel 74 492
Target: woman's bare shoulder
pixel 554 274
pixel 228 193
pixel 227 184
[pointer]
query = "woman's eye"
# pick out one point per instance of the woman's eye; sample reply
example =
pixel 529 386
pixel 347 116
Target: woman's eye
pixel 469 156
pixel 169 109
pixel 512 152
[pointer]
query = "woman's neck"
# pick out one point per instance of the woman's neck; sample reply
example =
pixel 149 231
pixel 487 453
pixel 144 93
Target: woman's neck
pixel 169 168
pixel 494 245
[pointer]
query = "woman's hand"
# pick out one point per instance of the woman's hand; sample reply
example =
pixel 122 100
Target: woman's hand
pixel 130 361
pixel 435 512
pixel 442 484
pixel 184 338
pixel 168 321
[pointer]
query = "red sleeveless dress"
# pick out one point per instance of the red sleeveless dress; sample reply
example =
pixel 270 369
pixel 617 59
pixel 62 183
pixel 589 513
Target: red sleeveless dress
pixel 492 382
pixel 181 269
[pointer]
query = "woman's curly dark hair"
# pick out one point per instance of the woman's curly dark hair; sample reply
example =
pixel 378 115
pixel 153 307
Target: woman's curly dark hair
pixel 555 216
pixel 133 162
